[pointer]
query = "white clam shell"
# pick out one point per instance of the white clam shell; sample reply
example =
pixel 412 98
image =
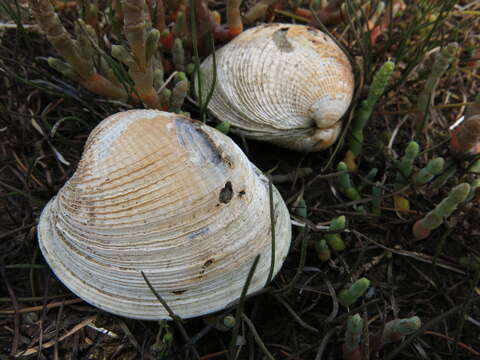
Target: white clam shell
pixel 160 193
pixel 287 84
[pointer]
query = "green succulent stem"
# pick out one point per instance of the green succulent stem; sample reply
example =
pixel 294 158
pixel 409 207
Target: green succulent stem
pixel 474 185
pixel 151 44
pixel 322 249
pixel 475 167
pixel 362 116
pixel 448 205
pixel 425 175
pixel 442 61
pixel 179 93
pixel 346 184
pixel 444 209
pixel 301 208
pixel 396 329
pixel 377 199
pixel 335 241
pixel 405 165
pixel 178 55
pixel 63 68
pixel 158 77
pixel 164 98
pixel 85 36
pixel 353 333
pixel 223 127
pixel 121 53
pixel 347 297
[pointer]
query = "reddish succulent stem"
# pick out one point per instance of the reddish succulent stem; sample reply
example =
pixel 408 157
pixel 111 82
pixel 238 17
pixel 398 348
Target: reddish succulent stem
pixel 150 98
pixel 222 33
pixel 234 19
pixel 353 355
pixel 419 231
pixel 68 49
pixel 137 27
pixel 167 39
pixel 100 85
pixel 377 31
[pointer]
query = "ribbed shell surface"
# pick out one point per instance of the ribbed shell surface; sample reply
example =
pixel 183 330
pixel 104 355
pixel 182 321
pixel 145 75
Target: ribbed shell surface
pixel 288 84
pixel 160 193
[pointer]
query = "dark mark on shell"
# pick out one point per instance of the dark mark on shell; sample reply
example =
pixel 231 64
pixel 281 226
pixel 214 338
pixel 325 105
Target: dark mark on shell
pixel 207 263
pixel 226 193
pixel 204 268
pixel 178 292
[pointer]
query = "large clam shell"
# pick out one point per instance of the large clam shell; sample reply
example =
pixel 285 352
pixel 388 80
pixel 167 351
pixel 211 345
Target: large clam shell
pixel 287 84
pixel 160 193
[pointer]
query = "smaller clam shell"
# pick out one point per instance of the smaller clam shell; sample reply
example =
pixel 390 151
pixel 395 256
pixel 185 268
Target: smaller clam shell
pixel 160 193
pixel 287 84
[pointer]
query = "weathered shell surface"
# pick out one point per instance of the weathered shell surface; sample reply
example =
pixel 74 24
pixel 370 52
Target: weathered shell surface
pixel 158 192
pixel 287 84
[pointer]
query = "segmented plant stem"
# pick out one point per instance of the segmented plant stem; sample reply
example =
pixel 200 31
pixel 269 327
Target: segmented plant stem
pixel 442 61
pixel 362 116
